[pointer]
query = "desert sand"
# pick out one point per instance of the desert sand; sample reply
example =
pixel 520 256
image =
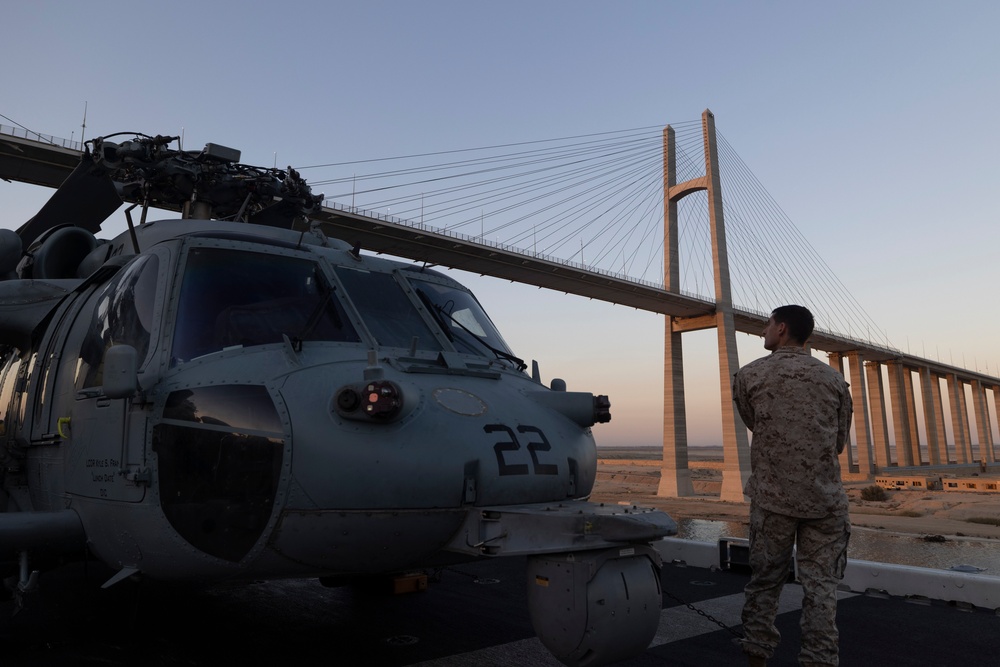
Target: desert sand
pixel 628 477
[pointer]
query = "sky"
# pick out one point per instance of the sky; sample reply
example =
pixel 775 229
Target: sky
pixel 872 124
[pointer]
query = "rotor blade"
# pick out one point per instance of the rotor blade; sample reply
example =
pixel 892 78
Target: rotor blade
pixel 85 199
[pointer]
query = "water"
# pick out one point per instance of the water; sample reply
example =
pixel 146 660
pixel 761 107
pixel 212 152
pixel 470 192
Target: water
pixel 877 545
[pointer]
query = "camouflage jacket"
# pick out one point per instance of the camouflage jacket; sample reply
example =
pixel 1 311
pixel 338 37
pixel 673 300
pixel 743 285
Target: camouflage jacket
pixel 799 410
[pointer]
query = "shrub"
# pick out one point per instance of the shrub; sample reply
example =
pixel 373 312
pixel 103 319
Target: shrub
pixel 874 492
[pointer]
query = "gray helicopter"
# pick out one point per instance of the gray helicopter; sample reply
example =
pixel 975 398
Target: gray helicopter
pixel 232 395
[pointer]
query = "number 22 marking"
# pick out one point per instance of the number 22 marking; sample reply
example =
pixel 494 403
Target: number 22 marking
pixel 502 448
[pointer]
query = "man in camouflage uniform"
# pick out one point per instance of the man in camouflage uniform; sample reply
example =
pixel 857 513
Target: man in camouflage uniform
pixel 799 410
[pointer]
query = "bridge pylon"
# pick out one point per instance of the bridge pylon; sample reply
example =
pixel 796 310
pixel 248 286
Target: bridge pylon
pixel 675 475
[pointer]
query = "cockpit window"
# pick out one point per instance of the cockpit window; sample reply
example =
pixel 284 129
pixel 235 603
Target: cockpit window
pixel 462 318
pixel 387 312
pixel 124 315
pixel 239 298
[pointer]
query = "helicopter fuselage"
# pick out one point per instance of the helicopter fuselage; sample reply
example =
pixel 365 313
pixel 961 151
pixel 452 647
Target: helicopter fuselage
pixel 251 449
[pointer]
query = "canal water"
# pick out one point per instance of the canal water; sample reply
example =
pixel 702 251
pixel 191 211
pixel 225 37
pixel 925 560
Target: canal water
pixel 969 554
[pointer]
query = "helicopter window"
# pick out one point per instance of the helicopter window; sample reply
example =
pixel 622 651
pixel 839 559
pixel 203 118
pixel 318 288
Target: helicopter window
pixel 463 320
pixel 23 373
pixel 243 407
pixel 10 361
pixel 218 478
pixel 233 297
pixel 124 315
pixel 387 311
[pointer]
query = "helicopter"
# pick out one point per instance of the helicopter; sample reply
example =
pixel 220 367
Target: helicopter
pixel 232 395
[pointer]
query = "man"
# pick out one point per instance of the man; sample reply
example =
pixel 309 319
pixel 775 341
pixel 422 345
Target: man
pixel 799 410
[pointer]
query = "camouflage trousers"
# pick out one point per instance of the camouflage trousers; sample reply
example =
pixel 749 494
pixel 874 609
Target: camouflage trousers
pixel 820 556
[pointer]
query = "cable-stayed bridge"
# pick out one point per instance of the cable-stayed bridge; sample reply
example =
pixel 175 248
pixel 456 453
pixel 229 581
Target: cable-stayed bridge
pixel 667 220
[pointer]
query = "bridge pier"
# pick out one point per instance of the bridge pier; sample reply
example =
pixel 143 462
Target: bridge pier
pixel 675 476
pixel 847 462
pixel 937 441
pixel 900 413
pixel 879 418
pixel 735 442
pixel 910 397
pixel 960 420
pixel 982 413
pixel 862 429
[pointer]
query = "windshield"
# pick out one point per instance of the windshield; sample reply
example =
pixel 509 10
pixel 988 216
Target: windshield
pixel 386 310
pixel 462 318
pixel 239 298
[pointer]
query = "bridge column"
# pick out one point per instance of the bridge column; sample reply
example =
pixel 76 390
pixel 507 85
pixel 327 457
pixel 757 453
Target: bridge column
pixel 675 476
pixel 879 420
pixel 911 414
pixel 937 442
pixel 960 419
pixel 847 464
pixel 900 415
pixel 859 395
pixel 735 443
pixel 996 413
pixel 996 404
pixel 986 454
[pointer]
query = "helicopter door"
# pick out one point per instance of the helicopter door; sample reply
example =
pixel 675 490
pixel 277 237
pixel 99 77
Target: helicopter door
pixel 108 435
pixel 100 451
pixel 81 423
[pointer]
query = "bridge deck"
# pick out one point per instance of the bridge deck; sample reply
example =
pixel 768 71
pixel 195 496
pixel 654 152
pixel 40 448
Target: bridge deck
pixel 41 163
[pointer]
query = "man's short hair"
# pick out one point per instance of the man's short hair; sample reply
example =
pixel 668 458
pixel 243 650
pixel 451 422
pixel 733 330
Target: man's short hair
pixel 798 319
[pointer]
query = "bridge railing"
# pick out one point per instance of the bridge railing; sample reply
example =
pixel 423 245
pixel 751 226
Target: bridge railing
pixel 871 345
pixel 43 138
pixel 505 247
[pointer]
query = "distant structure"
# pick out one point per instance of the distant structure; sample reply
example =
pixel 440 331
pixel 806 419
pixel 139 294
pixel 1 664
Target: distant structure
pixel 869 368
pixel 675 477
pixel 911 482
pixel 927 483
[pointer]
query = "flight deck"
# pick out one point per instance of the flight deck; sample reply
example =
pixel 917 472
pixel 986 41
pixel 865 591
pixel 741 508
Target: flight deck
pixel 472 614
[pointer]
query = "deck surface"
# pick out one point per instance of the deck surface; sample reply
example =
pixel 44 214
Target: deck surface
pixel 472 615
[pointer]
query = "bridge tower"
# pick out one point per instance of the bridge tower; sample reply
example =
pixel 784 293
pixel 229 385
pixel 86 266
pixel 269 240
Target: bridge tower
pixel 675 475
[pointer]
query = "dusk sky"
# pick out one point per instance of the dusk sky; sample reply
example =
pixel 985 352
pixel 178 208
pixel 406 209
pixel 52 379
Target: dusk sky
pixel 874 125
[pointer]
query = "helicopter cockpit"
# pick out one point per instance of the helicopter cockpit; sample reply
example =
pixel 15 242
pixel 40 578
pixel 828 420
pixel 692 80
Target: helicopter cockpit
pixel 243 298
